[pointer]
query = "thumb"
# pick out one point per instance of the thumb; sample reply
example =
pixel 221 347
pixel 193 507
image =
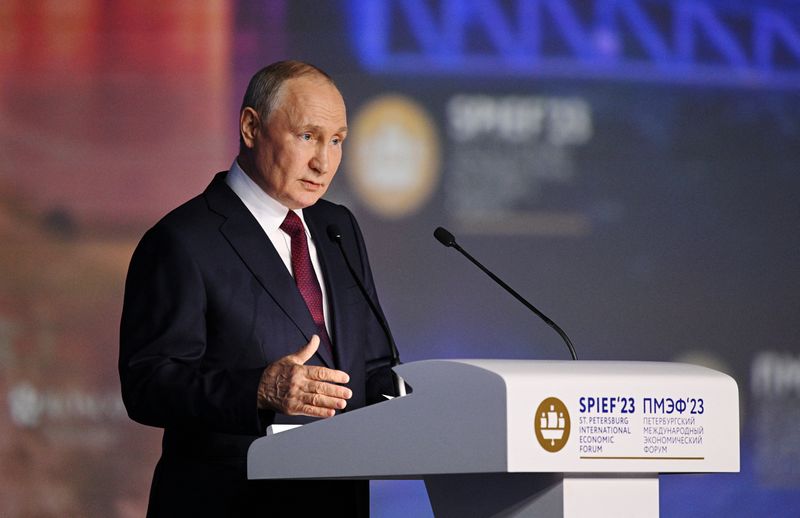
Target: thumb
pixel 305 353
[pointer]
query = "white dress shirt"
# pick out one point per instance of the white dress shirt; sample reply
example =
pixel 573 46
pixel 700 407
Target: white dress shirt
pixel 270 214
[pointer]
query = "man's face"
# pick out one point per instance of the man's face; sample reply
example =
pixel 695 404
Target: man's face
pixel 294 155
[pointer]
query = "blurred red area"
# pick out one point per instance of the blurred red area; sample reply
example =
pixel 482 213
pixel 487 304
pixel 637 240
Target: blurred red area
pixel 114 111
pixel 111 113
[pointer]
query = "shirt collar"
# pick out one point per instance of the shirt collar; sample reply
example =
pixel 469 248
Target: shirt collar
pixel 269 212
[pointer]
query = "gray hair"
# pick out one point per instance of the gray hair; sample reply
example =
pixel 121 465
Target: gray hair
pixel 264 87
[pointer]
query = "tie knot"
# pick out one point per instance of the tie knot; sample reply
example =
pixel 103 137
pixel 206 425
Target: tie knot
pixel 292 224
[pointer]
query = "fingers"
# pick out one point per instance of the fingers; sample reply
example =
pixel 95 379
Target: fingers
pixel 289 387
pixel 314 398
pixel 305 353
pixel 328 389
pixel 325 374
pixel 321 402
pixel 308 395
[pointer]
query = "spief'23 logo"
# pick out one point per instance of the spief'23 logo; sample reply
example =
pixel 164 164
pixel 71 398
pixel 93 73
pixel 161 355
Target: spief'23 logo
pixel 552 424
pixel 394 163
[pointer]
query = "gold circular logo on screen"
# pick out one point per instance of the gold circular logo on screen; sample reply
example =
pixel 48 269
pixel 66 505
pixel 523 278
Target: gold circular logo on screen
pixel 394 156
pixel 552 424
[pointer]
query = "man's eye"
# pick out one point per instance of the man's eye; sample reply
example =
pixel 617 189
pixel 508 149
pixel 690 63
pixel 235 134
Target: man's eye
pixel 336 141
pixel 306 136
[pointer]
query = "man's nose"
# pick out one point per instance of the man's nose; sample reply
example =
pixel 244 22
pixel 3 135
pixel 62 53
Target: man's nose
pixel 320 162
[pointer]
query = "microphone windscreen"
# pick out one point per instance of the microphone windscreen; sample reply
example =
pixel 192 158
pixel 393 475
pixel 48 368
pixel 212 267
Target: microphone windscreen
pixel 334 234
pixel 444 237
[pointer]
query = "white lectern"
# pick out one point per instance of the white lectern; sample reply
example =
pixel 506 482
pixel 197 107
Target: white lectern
pixel 525 438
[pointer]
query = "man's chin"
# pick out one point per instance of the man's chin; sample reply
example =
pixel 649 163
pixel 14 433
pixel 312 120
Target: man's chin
pixel 306 200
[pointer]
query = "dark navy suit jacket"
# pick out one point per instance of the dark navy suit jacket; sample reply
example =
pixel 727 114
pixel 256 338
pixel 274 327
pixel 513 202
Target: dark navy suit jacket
pixel 208 304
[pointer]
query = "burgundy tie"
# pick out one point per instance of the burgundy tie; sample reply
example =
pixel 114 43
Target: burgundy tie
pixel 304 275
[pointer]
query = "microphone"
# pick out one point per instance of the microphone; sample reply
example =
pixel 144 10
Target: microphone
pixel 335 235
pixel 449 240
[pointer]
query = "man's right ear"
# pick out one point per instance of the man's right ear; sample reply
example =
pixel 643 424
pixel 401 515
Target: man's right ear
pixel 249 125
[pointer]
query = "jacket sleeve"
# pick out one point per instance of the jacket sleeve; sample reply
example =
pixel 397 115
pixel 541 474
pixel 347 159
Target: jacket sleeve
pixel 164 380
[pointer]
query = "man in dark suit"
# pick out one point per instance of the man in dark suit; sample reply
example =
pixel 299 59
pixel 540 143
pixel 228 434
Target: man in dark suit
pixel 239 312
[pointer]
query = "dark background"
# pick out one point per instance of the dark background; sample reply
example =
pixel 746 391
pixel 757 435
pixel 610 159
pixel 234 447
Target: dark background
pixel 667 230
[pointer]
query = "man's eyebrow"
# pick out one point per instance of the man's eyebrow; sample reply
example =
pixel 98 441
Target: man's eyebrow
pixel 318 128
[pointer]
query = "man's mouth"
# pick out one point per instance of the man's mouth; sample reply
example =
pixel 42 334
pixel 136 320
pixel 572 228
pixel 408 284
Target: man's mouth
pixel 308 184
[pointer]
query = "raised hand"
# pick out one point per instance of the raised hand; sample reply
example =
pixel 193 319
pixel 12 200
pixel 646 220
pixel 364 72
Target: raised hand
pixel 290 387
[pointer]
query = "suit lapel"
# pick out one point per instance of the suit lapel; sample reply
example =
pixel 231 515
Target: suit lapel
pixel 255 249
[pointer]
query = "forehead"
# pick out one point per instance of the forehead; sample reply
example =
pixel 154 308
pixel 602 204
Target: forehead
pixel 312 100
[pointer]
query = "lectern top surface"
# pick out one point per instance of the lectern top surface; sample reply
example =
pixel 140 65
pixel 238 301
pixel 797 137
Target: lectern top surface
pixel 589 367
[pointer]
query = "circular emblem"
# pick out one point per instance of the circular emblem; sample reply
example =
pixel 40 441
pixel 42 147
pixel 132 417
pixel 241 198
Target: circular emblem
pixel 394 156
pixel 552 424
